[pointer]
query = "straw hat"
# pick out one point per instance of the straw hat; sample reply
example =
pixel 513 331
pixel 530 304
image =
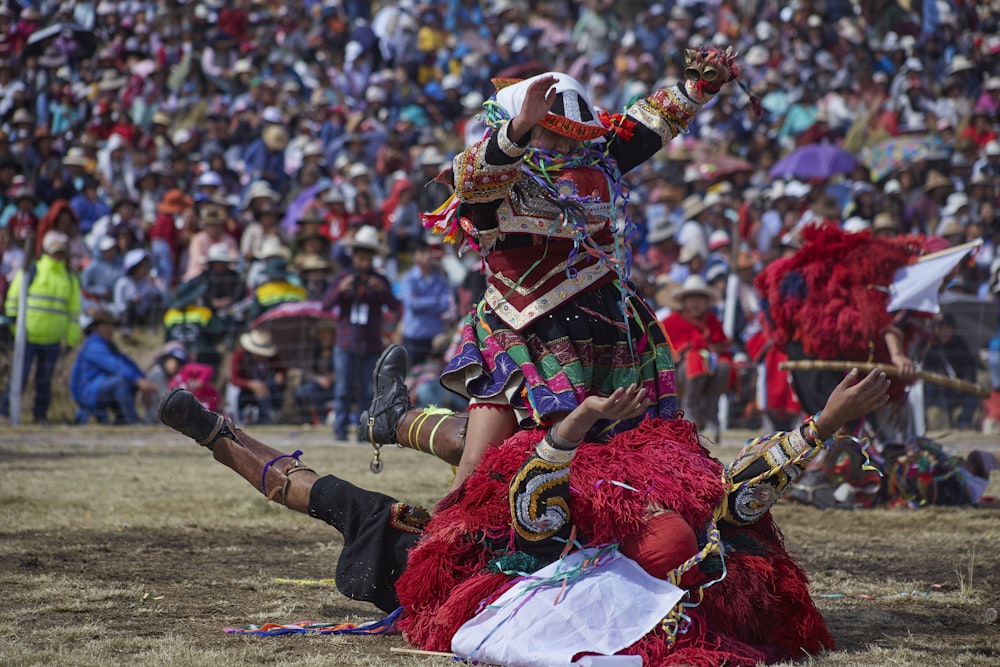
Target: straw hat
pixel 694 206
pixel 275 137
pixel 272 247
pixel 111 81
pixel 935 179
pixel 366 238
pixel 950 226
pixel 259 342
pixel 826 207
pixel 211 215
pixel 694 285
pixel 311 263
pixel 100 316
pixel 884 220
pixel 75 157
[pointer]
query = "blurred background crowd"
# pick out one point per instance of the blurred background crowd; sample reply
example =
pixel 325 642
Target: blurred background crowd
pixel 237 179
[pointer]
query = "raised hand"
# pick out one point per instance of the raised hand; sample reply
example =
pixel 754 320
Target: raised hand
pixel 853 399
pixel 538 101
pixel 623 403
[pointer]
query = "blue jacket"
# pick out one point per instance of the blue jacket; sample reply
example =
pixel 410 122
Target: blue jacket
pixel 98 359
pixel 425 301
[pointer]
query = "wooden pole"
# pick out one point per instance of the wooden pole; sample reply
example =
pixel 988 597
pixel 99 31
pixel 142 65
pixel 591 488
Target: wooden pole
pixel 866 366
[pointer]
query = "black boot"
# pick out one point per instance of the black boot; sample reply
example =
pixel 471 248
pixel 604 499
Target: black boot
pixel 391 397
pixel 184 413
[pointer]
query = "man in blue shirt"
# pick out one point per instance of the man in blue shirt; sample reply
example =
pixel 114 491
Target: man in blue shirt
pixel 104 378
pixel 426 297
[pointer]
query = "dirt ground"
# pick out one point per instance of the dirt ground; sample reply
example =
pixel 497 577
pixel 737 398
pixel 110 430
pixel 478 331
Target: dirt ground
pixel 134 546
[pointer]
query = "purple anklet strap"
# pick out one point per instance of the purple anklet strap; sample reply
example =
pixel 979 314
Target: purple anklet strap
pixel 267 466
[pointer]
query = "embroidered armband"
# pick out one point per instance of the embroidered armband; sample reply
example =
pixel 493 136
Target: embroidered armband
pixel 476 181
pixel 507 145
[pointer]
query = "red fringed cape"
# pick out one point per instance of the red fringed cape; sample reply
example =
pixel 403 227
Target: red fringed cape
pixel 831 295
pixel 760 612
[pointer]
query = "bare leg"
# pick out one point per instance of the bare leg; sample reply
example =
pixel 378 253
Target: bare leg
pixel 488 424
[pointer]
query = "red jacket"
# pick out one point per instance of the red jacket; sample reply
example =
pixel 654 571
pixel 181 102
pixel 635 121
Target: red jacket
pixel 694 341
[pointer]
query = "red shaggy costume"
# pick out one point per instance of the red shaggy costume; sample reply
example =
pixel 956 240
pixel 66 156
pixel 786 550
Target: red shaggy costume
pixel 831 295
pixel 760 611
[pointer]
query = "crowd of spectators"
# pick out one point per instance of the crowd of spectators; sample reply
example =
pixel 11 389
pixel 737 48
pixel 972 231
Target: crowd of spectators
pixel 209 161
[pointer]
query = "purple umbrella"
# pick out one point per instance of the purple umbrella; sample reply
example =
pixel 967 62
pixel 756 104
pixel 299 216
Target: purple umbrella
pixel 814 161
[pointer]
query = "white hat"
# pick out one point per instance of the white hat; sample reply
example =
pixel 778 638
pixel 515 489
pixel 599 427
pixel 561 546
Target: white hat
pixel 55 242
pixel 357 169
pixel 272 115
pixel 209 179
pixel 366 238
pixel 432 157
pixel 106 243
pixel 796 189
pixel 133 258
pixel 260 190
pixel 718 239
pixel 960 64
pixel 472 100
pixel 451 82
pixel 183 135
pixel 259 342
pixel 992 148
pixel 353 51
pixel 892 186
pixel 855 224
pixel 313 149
pixel 218 252
pixel 756 55
pixel 688 252
pixel 956 201
pixel 335 195
pixel 376 95
pixel 661 230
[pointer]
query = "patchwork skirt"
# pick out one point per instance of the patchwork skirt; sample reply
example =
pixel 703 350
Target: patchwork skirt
pixel 591 345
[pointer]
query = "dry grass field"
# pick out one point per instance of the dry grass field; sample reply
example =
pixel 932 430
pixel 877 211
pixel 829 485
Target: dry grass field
pixel 134 547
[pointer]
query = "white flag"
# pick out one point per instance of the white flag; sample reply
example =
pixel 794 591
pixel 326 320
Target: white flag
pixel 917 286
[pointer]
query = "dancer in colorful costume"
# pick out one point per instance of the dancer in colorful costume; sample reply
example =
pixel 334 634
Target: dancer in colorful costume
pixel 653 490
pixel 830 301
pixel 540 197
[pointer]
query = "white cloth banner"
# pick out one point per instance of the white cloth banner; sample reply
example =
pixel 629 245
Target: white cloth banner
pixel 917 286
pixel 605 610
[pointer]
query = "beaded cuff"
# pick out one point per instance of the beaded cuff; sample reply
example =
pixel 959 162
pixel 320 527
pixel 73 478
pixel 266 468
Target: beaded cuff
pixel 667 112
pixel 764 470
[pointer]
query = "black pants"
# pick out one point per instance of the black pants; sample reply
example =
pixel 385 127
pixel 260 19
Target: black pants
pixel 375 548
